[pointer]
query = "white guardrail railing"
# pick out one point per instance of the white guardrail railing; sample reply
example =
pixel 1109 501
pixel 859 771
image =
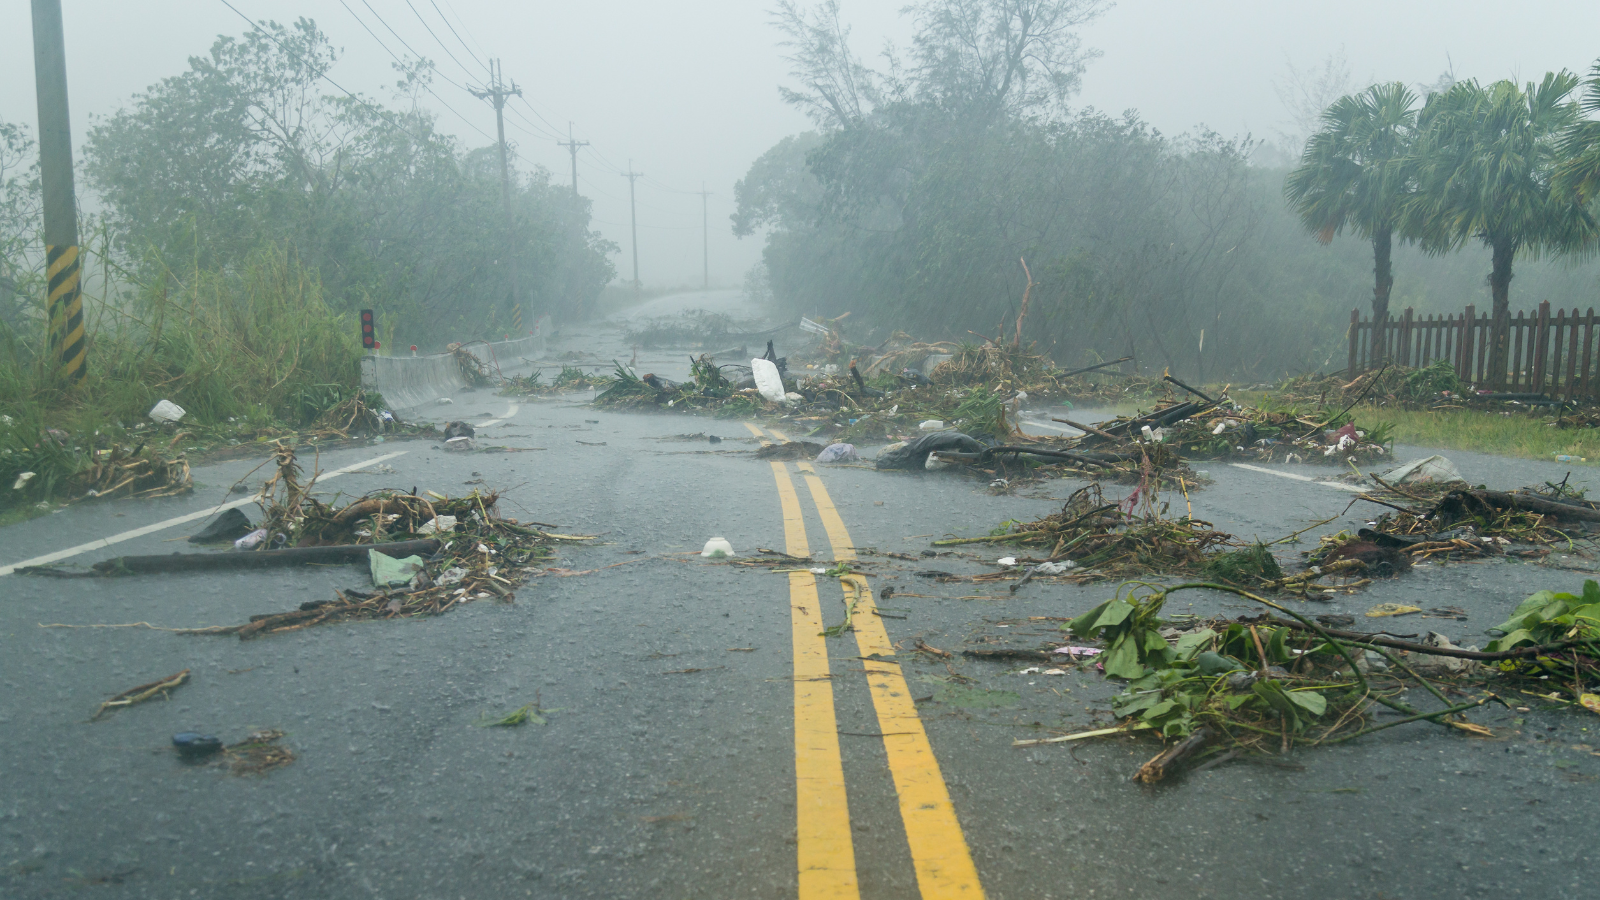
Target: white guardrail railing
pixel 410 382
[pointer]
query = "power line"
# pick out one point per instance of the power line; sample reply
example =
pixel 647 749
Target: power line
pixel 533 125
pixel 442 45
pixel 383 114
pixel 537 113
pixel 457 33
pixel 402 62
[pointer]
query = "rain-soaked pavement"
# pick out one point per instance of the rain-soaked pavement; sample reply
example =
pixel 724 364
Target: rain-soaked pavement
pixel 676 687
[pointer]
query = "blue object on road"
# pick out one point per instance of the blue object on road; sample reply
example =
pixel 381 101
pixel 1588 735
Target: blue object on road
pixel 193 745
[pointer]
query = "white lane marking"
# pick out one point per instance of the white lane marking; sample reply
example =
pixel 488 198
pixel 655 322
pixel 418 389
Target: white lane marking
pixel 511 412
pixel 177 520
pixel 1333 484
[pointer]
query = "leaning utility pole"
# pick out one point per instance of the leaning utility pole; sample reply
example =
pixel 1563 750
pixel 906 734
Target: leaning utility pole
pixel 633 222
pixel 705 234
pixel 572 147
pixel 498 92
pixel 65 302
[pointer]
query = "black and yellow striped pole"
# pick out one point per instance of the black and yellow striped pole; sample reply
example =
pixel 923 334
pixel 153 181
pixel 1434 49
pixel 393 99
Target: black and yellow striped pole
pixel 65 309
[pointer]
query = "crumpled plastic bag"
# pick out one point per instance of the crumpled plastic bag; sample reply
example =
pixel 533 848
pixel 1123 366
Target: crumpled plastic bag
pixel 1435 469
pixel 251 540
pixel 838 453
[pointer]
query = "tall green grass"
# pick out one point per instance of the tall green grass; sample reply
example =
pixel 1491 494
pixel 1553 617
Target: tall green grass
pixel 257 346
pixel 1517 434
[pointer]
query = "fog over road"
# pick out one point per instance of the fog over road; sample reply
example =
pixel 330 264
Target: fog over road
pixel 684 696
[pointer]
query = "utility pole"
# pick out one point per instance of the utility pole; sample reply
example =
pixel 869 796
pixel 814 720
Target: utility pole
pixel 575 230
pixel 65 302
pixel 705 234
pixel 498 92
pixel 572 147
pixel 633 222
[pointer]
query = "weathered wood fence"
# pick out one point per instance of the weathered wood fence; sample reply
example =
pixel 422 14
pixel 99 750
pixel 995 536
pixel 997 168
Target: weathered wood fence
pixel 1549 353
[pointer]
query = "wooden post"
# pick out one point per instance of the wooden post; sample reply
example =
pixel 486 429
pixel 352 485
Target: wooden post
pixel 1541 338
pixel 1568 383
pixel 1588 350
pixel 1355 339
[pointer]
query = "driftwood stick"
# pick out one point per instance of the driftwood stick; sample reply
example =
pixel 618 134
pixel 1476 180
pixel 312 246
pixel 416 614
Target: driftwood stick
pixel 259 559
pixel 1087 429
pixel 1094 367
pixel 1168 759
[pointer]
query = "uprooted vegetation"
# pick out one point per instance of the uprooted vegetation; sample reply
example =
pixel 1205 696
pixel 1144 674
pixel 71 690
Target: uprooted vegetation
pixel 570 378
pixel 464 550
pixel 979 391
pixel 1215 690
pixel 1456 521
pixel 1092 538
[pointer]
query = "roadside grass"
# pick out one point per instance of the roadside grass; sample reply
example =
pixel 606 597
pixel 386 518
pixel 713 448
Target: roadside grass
pixel 241 351
pixel 1506 434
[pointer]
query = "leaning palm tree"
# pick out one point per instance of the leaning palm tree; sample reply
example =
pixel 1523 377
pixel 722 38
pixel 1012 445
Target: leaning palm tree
pixel 1355 173
pixel 1578 174
pixel 1486 157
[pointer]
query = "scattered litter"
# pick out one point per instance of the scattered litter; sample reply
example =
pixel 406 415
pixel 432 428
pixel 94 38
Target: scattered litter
pixel 442 401
pixel 251 540
pixel 458 429
pixel 230 526
pixel 194 745
pixel 838 453
pixel 24 477
pixel 932 425
pixel 451 576
pixel 717 548
pixel 768 380
pixel 460 444
pixel 1422 471
pixel 934 463
pixel 166 411
pixel 438 524
pixel 390 572
pixel 1006 561
pixel 1079 652
pixel 142 693
pixel 1054 568
pixel 1391 609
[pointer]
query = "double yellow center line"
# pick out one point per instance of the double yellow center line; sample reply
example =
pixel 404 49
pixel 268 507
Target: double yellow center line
pixel 939 851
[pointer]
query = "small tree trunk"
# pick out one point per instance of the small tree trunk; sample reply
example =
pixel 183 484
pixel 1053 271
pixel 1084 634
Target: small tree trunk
pixel 1382 244
pixel 1500 291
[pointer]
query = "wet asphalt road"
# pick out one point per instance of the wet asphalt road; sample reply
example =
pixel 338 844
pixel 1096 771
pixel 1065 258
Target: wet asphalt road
pixel 667 767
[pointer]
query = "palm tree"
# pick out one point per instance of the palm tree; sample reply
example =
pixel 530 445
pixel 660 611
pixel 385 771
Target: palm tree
pixel 1486 157
pixel 1578 175
pixel 1356 173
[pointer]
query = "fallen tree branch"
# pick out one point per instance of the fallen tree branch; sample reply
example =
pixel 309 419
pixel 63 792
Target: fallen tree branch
pixel 260 559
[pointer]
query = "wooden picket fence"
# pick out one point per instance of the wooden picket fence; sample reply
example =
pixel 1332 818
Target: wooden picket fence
pixel 1554 354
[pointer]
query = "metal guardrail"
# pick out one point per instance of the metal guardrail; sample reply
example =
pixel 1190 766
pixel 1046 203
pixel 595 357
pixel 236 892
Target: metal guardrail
pixel 408 383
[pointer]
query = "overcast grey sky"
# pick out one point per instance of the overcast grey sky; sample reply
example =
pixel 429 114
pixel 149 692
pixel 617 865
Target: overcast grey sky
pixel 688 90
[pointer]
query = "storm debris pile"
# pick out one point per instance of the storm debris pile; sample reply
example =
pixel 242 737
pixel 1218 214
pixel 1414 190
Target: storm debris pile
pixel 1098 539
pixel 480 554
pixel 571 378
pixel 1435 386
pixel 1454 521
pixel 1224 688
